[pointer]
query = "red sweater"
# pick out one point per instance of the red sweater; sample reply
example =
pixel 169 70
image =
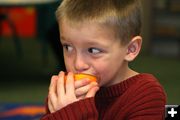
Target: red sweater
pixel 140 97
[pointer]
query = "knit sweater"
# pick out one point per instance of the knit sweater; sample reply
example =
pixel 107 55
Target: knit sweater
pixel 140 97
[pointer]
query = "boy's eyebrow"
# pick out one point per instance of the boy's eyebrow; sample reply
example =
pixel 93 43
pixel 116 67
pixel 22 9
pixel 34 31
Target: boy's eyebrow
pixel 97 43
pixel 62 37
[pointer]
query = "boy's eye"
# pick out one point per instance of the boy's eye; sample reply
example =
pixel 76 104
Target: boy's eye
pixel 68 48
pixel 94 50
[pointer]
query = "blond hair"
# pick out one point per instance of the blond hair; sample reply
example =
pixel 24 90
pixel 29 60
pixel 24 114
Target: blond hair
pixel 124 16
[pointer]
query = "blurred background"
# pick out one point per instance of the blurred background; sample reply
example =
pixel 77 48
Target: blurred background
pixel 30 51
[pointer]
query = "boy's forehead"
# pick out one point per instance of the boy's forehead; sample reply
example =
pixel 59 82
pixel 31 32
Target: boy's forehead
pixel 90 31
pixel 79 25
pixel 89 27
pixel 87 33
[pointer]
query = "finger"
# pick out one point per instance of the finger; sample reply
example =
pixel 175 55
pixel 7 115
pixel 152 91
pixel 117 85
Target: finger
pixel 80 83
pixel 83 90
pixel 52 90
pixel 53 101
pixel 60 84
pixel 70 84
pixel 92 92
pixel 81 97
pixel 50 106
pixel 52 86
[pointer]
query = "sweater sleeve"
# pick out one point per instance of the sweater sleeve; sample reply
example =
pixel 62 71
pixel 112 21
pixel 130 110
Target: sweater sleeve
pixel 80 110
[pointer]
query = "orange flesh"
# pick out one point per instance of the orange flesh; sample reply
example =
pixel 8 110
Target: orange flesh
pixel 83 76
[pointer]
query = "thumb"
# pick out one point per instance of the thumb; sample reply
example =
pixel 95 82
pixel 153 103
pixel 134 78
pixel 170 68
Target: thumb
pixel 92 92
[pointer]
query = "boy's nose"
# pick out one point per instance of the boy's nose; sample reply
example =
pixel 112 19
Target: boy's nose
pixel 80 64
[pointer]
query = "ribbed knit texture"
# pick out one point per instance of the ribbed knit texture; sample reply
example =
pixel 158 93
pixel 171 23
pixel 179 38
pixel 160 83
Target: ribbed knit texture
pixel 140 97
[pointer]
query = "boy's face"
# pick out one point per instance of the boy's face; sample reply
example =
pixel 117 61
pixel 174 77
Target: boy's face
pixel 91 49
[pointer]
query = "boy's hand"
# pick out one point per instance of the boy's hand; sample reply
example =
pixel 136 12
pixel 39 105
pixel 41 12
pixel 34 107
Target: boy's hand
pixel 84 88
pixel 61 94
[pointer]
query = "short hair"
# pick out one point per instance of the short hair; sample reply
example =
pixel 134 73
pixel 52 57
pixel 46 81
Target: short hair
pixel 124 16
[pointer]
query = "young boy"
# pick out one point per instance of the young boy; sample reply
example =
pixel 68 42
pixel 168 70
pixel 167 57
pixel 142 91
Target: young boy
pixel 100 37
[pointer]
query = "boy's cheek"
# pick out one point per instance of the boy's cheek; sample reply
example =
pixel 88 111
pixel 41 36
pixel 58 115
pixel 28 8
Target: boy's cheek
pixel 69 67
pixel 68 70
pixel 100 79
pixel 105 76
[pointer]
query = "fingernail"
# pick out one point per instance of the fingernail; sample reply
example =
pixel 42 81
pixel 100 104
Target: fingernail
pixel 94 83
pixel 61 72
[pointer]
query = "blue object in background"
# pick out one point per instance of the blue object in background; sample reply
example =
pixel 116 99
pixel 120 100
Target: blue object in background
pixel 21 111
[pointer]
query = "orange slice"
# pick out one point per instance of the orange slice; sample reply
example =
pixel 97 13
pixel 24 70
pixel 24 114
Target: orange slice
pixel 80 76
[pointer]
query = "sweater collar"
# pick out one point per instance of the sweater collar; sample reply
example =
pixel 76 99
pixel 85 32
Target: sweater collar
pixel 118 89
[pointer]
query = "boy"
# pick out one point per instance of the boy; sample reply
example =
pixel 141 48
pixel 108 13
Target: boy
pixel 100 37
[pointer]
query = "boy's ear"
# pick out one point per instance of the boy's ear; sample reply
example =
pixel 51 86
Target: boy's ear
pixel 133 48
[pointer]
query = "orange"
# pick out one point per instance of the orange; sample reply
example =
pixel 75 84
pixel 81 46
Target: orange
pixel 80 76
